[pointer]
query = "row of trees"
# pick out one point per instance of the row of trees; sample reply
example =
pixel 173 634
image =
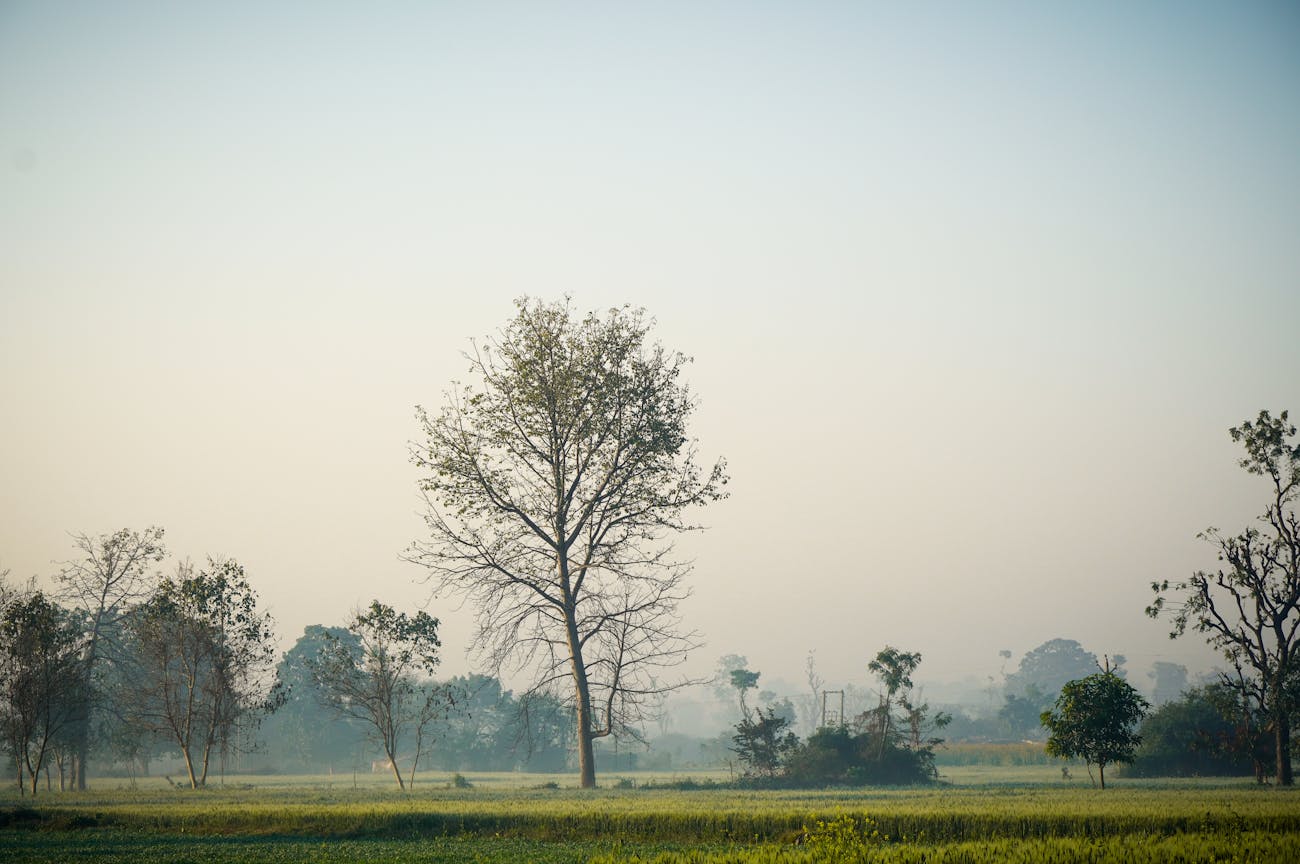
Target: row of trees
pixel 472 722
pixel 1249 608
pixel 555 481
pixel 127 658
pixel 185 665
pixel 1206 732
pixel 554 484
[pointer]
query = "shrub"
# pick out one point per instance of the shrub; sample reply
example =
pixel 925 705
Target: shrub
pixel 1192 736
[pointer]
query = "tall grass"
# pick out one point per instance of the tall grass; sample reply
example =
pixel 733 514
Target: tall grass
pixel 940 814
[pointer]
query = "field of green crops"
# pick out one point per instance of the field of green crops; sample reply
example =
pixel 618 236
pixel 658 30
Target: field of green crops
pixel 981 816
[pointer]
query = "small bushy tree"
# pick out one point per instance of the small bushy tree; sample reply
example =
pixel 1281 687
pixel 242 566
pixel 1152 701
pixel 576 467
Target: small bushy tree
pixel 763 741
pixel 1095 719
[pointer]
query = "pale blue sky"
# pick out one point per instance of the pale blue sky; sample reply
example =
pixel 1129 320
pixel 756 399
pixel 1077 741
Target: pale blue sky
pixel 974 290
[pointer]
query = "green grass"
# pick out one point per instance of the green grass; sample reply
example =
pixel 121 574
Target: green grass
pixel 987 813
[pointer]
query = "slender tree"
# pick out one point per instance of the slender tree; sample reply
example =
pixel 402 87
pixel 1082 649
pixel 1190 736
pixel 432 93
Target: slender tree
pixel 553 486
pixel 894 668
pixel 112 574
pixel 744 680
pixel 40 679
pixel 811 703
pixel 382 676
pixel 1249 607
pixel 203 663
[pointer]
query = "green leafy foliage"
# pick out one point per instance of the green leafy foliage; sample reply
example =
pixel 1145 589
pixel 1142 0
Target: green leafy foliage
pixel 763 742
pixel 1200 734
pixel 1095 719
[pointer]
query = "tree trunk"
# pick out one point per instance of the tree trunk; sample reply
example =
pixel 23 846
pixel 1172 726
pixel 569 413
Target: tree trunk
pixel 388 740
pixel 189 767
pixel 82 750
pixel 582 692
pixel 1101 772
pixel 392 761
pixel 207 757
pixel 586 754
pixel 586 748
pixel 1282 730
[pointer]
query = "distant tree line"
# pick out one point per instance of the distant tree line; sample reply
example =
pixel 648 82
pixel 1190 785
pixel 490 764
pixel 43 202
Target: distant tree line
pixel 122 664
pixel 122 661
pixel 126 666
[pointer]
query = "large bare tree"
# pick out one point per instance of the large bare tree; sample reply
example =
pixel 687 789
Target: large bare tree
pixel 112 573
pixel 1249 607
pixel 554 484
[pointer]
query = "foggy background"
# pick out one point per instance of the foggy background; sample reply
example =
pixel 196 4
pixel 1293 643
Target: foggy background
pixel 974 292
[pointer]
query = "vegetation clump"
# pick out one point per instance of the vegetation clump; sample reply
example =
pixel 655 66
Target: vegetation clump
pixel 891 744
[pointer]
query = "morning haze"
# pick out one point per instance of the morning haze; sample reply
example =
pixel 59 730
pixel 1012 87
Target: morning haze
pixel 973 296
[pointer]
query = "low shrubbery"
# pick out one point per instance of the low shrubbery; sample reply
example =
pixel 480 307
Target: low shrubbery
pixel 891 744
pixel 1202 734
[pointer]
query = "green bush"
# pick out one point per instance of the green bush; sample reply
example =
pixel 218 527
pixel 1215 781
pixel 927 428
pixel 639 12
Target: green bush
pixel 1191 737
pixel 836 756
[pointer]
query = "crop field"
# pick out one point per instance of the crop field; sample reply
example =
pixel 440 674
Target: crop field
pixel 993 814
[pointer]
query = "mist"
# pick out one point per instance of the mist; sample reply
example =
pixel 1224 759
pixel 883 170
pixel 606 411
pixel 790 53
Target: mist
pixel 973 300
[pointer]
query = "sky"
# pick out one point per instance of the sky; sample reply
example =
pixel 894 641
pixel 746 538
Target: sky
pixel 973 291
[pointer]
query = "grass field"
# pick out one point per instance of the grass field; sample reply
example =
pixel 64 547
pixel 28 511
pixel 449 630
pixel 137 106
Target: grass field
pixel 983 813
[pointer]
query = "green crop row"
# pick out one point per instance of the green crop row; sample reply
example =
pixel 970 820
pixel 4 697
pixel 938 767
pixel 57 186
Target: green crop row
pixel 1243 848
pixel 945 814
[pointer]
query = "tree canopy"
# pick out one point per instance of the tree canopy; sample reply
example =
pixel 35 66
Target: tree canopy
pixel 1049 666
pixel 1095 719
pixel 203 659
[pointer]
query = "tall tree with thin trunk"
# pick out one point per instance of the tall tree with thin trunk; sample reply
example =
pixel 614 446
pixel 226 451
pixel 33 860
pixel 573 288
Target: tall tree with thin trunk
pixel 1250 607
pixel 894 668
pixel 203 663
pixel 40 676
pixel 554 484
pixel 380 672
pixel 112 574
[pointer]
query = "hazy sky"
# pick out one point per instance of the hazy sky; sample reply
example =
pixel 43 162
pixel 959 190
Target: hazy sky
pixel 974 290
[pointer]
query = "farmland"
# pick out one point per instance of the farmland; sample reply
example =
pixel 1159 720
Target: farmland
pixel 988 814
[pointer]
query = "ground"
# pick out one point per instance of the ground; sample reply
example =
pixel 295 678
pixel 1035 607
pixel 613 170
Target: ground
pixel 979 813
